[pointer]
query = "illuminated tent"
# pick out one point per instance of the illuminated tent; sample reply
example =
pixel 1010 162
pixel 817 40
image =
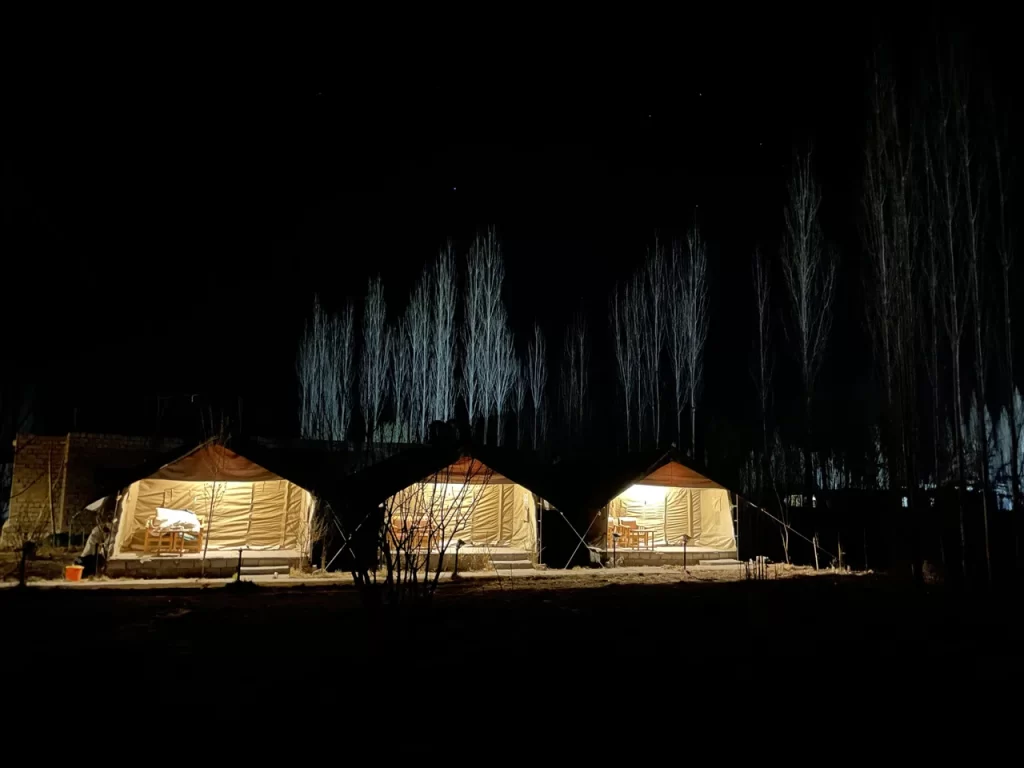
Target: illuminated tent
pixel 239 504
pixel 674 501
pixel 655 490
pixel 468 500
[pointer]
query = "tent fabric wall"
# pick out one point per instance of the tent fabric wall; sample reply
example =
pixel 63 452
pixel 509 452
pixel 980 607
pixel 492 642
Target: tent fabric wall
pixel 703 514
pixel 716 520
pixel 266 514
pixel 503 514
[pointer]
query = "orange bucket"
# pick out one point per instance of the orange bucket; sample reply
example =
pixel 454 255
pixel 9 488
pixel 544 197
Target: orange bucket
pixel 73 572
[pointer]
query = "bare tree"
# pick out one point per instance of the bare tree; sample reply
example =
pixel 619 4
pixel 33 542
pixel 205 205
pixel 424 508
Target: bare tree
pixel 779 475
pixel 763 363
pixel 325 373
pixel 930 318
pixel 519 403
pixel 444 292
pixel 677 341
pixel 484 326
pixel 656 280
pixel 1005 249
pixel 576 358
pixel 692 276
pixel 416 529
pixel 417 326
pixel 401 378
pixel 808 269
pixel 890 240
pixel 626 364
pixel 972 191
pixel 943 173
pixel 505 370
pixel 473 335
pixel 537 374
pixel 637 322
pixel 376 356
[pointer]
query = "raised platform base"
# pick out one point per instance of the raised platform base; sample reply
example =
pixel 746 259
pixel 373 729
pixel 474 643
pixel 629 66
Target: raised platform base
pixel 483 559
pixel 220 563
pixel 667 556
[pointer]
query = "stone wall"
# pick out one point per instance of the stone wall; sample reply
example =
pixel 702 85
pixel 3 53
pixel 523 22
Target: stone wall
pixel 63 469
pixel 37 480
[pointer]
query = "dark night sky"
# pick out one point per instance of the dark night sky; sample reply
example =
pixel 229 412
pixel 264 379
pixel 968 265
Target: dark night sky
pixel 179 220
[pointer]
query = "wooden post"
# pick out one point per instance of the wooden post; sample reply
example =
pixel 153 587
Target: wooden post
pixel 64 490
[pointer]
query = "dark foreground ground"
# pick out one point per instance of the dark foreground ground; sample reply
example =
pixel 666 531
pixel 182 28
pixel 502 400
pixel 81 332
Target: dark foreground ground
pixel 628 645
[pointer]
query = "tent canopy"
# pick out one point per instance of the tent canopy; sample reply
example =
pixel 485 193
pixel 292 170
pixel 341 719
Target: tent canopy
pixel 470 501
pixel 241 504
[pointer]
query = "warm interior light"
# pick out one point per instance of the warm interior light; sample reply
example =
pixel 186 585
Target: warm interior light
pixel 645 494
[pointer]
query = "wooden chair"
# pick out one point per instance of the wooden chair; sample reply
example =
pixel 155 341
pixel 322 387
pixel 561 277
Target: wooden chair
pixel 630 534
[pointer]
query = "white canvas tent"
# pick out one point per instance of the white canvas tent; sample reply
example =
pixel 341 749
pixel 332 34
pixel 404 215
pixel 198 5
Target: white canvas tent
pixel 469 501
pixel 239 504
pixel 675 501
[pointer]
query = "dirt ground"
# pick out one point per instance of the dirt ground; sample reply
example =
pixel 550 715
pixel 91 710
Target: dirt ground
pixel 611 637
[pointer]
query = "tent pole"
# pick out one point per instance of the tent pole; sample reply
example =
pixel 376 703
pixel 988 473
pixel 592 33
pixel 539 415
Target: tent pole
pixel 284 517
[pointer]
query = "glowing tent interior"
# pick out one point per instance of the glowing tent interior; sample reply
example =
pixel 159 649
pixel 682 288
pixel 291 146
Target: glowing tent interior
pixel 671 503
pixel 466 500
pixel 215 499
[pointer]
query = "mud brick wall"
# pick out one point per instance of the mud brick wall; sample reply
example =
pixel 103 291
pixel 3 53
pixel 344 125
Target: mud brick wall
pixel 38 473
pixel 73 461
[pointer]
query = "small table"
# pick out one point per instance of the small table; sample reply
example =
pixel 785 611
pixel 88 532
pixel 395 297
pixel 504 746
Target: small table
pixel 174 540
pixel 646 536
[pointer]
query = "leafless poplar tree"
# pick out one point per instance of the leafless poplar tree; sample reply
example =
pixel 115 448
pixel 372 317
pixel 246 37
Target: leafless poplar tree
pixel 420 338
pixel 808 269
pixel 637 322
pixel 972 191
pixel 505 370
pixel 325 371
pixel 444 293
pixel 376 356
pixel 519 390
pixel 576 358
pixel 626 364
pixel 693 291
pixel 657 281
pixel 930 318
pixel 677 340
pixel 1004 247
pixel 482 333
pixel 473 336
pixel 891 243
pixel 537 376
pixel 401 377
pixel 944 190
pixel 763 367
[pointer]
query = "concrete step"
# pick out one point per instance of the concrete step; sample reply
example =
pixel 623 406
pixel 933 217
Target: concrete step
pixel 263 570
pixel 513 565
pixel 723 561
pixel 499 556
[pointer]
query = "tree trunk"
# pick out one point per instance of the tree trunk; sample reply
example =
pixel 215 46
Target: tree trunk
pixel 693 428
pixel 958 443
pixel 1014 447
pixel 808 448
pixel 982 451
